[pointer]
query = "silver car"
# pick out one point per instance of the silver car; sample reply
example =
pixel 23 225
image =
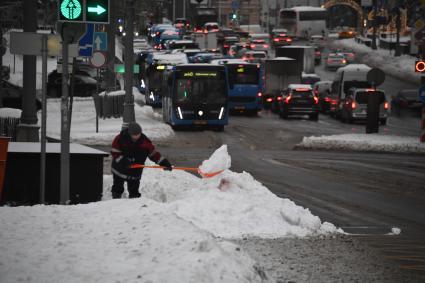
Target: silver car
pixel 335 61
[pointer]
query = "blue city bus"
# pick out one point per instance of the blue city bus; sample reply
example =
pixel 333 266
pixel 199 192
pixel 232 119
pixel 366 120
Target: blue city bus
pixel 153 84
pixel 245 87
pixel 196 97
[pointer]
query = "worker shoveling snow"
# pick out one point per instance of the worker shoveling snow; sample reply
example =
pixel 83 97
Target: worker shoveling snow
pixel 171 234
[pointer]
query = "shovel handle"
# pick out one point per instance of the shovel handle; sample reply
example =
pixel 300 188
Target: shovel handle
pixel 162 167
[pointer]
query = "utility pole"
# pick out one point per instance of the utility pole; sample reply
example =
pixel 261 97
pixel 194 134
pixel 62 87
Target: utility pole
pixel 28 128
pixel 128 115
pixel 111 29
pixel 398 28
pixel 375 11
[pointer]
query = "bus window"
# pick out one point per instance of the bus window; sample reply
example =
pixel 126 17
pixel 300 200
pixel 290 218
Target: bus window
pixel 312 15
pixel 195 90
pixel 243 74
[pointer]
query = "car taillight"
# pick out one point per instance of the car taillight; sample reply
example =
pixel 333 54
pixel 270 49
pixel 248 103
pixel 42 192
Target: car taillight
pixel 317 53
pixel 327 99
pixel 279 98
pixel 252 45
pixel 386 105
pixel 287 99
pixel 344 61
pixel 226 46
pixel 276 40
pixel 266 46
pixel 353 105
pixel 288 40
pixel 244 58
pixel 316 100
pixel 259 94
pixel 334 101
pixel 269 99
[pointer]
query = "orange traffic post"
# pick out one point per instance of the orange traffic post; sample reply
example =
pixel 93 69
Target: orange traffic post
pixel 4 144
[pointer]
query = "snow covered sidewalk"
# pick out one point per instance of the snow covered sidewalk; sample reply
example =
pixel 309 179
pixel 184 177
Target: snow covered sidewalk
pixel 175 233
pixel 402 67
pixel 83 127
pixel 364 142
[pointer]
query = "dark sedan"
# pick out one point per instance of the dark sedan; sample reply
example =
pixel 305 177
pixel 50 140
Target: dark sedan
pixel 83 85
pixel 299 99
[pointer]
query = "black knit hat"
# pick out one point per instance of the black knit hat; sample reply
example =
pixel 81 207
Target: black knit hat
pixel 134 128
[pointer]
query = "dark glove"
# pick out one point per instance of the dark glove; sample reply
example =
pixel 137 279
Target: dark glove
pixel 166 164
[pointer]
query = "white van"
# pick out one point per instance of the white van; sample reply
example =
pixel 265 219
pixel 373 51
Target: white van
pixel 353 75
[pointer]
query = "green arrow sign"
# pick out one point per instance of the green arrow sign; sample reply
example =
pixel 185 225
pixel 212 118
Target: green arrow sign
pixel 71 10
pixel 99 9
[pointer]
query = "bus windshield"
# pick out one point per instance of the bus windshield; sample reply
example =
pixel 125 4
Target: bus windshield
pixel 154 78
pixel 200 87
pixel 243 74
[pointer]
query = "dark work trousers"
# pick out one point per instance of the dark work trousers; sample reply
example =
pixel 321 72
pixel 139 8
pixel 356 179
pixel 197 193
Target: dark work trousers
pixel 118 187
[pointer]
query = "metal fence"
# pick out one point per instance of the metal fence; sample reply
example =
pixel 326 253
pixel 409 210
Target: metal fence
pixel 8 127
pixel 108 106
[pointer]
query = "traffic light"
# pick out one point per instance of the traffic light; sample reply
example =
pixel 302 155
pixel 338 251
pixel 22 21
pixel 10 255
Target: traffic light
pixel 420 66
pixel 85 11
pixel 71 10
pixel 97 11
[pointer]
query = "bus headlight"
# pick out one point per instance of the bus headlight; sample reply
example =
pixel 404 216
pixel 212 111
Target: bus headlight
pixel 220 116
pixel 179 111
pixel 142 83
pixel 151 96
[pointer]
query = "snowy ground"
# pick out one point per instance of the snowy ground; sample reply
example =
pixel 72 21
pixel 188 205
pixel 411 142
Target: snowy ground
pixel 83 127
pixel 402 67
pixel 364 142
pixel 176 233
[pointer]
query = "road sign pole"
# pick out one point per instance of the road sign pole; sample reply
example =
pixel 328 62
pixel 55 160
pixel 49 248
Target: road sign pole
pixel 43 119
pixel 64 168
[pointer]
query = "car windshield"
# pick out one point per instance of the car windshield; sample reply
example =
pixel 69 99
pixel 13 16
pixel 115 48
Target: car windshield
pixel 201 90
pixel 243 74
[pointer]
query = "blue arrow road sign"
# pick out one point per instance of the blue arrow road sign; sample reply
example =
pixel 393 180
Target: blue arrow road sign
pixel 422 93
pixel 100 41
pixel 85 44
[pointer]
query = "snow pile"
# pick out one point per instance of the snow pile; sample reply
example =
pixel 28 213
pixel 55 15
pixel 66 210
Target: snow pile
pixel 114 241
pixel 10 113
pixel 395 231
pixel 83 127
pixel 229 205
pixel 112 93
pixel 168 235
pixel 401 67
pixel 219 161
pixel 364 142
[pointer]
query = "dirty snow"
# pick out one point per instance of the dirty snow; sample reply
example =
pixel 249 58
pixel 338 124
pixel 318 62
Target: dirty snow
pixel 168 235
pixel 364 142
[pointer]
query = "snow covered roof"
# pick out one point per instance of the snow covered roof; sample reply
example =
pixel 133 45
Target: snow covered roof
pixel 354 67
pixel 176 58
pixel 10 113
pixel 307 8
pixel 34 147
pixel 281 59
pixel 292 86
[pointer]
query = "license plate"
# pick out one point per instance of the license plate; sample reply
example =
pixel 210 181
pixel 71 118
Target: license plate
pixel 239 107
pixel 200 122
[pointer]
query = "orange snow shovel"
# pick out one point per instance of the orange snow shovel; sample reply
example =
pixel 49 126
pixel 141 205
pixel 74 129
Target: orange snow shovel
pixel 203 174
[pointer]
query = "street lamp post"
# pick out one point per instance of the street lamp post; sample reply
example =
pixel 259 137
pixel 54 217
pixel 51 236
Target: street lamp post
pixel 128 115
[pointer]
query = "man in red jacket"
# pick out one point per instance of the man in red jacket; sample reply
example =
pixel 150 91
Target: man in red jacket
pixel 131 146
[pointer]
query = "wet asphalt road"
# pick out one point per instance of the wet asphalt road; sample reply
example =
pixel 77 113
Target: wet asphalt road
pixel 366 194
